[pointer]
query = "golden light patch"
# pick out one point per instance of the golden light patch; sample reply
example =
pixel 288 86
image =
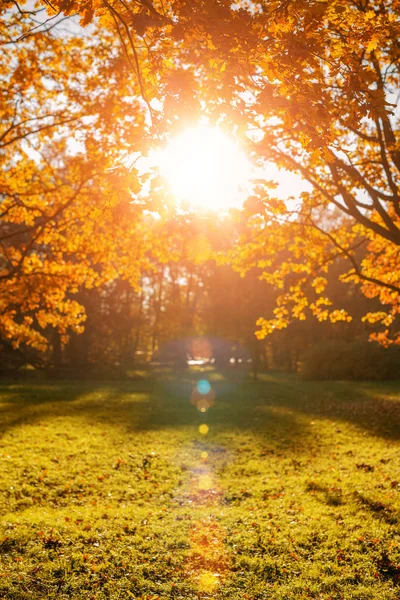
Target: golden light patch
pixel 204 455
pixel 203 429
pixel 205 483
pixel 208 582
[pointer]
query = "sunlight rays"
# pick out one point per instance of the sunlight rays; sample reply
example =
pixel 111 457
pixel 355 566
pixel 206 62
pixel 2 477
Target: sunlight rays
pixel 206 169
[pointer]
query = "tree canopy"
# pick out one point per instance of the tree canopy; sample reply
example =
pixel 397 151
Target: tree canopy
pixel 309 86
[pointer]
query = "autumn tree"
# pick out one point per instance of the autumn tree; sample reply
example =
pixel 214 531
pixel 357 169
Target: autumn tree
pixel 67 221
pixel 314 85
pixel 310 86
pixel 335 124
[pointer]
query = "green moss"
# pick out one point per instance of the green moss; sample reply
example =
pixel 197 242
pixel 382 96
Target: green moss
pixel 106 491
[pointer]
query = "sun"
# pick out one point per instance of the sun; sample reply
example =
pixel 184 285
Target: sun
pixel 206 169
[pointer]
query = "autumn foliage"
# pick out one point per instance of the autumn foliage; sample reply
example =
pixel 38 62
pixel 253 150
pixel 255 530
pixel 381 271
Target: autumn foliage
pixel 309 86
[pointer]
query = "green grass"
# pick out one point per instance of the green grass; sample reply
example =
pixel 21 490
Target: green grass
pixel 106 490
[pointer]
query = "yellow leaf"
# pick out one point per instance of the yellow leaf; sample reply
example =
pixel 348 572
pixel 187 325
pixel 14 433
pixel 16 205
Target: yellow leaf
pixel 369 15
pixel 372 44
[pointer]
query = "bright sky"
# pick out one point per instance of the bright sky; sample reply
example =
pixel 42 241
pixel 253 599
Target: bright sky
pixel 207 169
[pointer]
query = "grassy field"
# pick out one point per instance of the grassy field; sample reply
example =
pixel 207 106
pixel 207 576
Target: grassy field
pixel 282 490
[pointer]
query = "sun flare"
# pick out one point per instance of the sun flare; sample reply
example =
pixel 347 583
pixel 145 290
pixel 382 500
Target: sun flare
pixel 206 169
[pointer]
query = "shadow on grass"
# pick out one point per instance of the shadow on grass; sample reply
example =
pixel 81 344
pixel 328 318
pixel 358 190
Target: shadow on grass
pixel 378 510
pixel 276 409
pixel 372 406
pixel 153 405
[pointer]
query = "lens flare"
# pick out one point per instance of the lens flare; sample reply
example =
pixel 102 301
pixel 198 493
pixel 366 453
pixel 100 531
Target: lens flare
pixel 203 386
pixel 202 400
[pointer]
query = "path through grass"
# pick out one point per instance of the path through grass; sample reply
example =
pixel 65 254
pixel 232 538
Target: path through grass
pixel 111 491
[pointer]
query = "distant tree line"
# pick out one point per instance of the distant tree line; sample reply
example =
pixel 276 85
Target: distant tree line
pixel 180 302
